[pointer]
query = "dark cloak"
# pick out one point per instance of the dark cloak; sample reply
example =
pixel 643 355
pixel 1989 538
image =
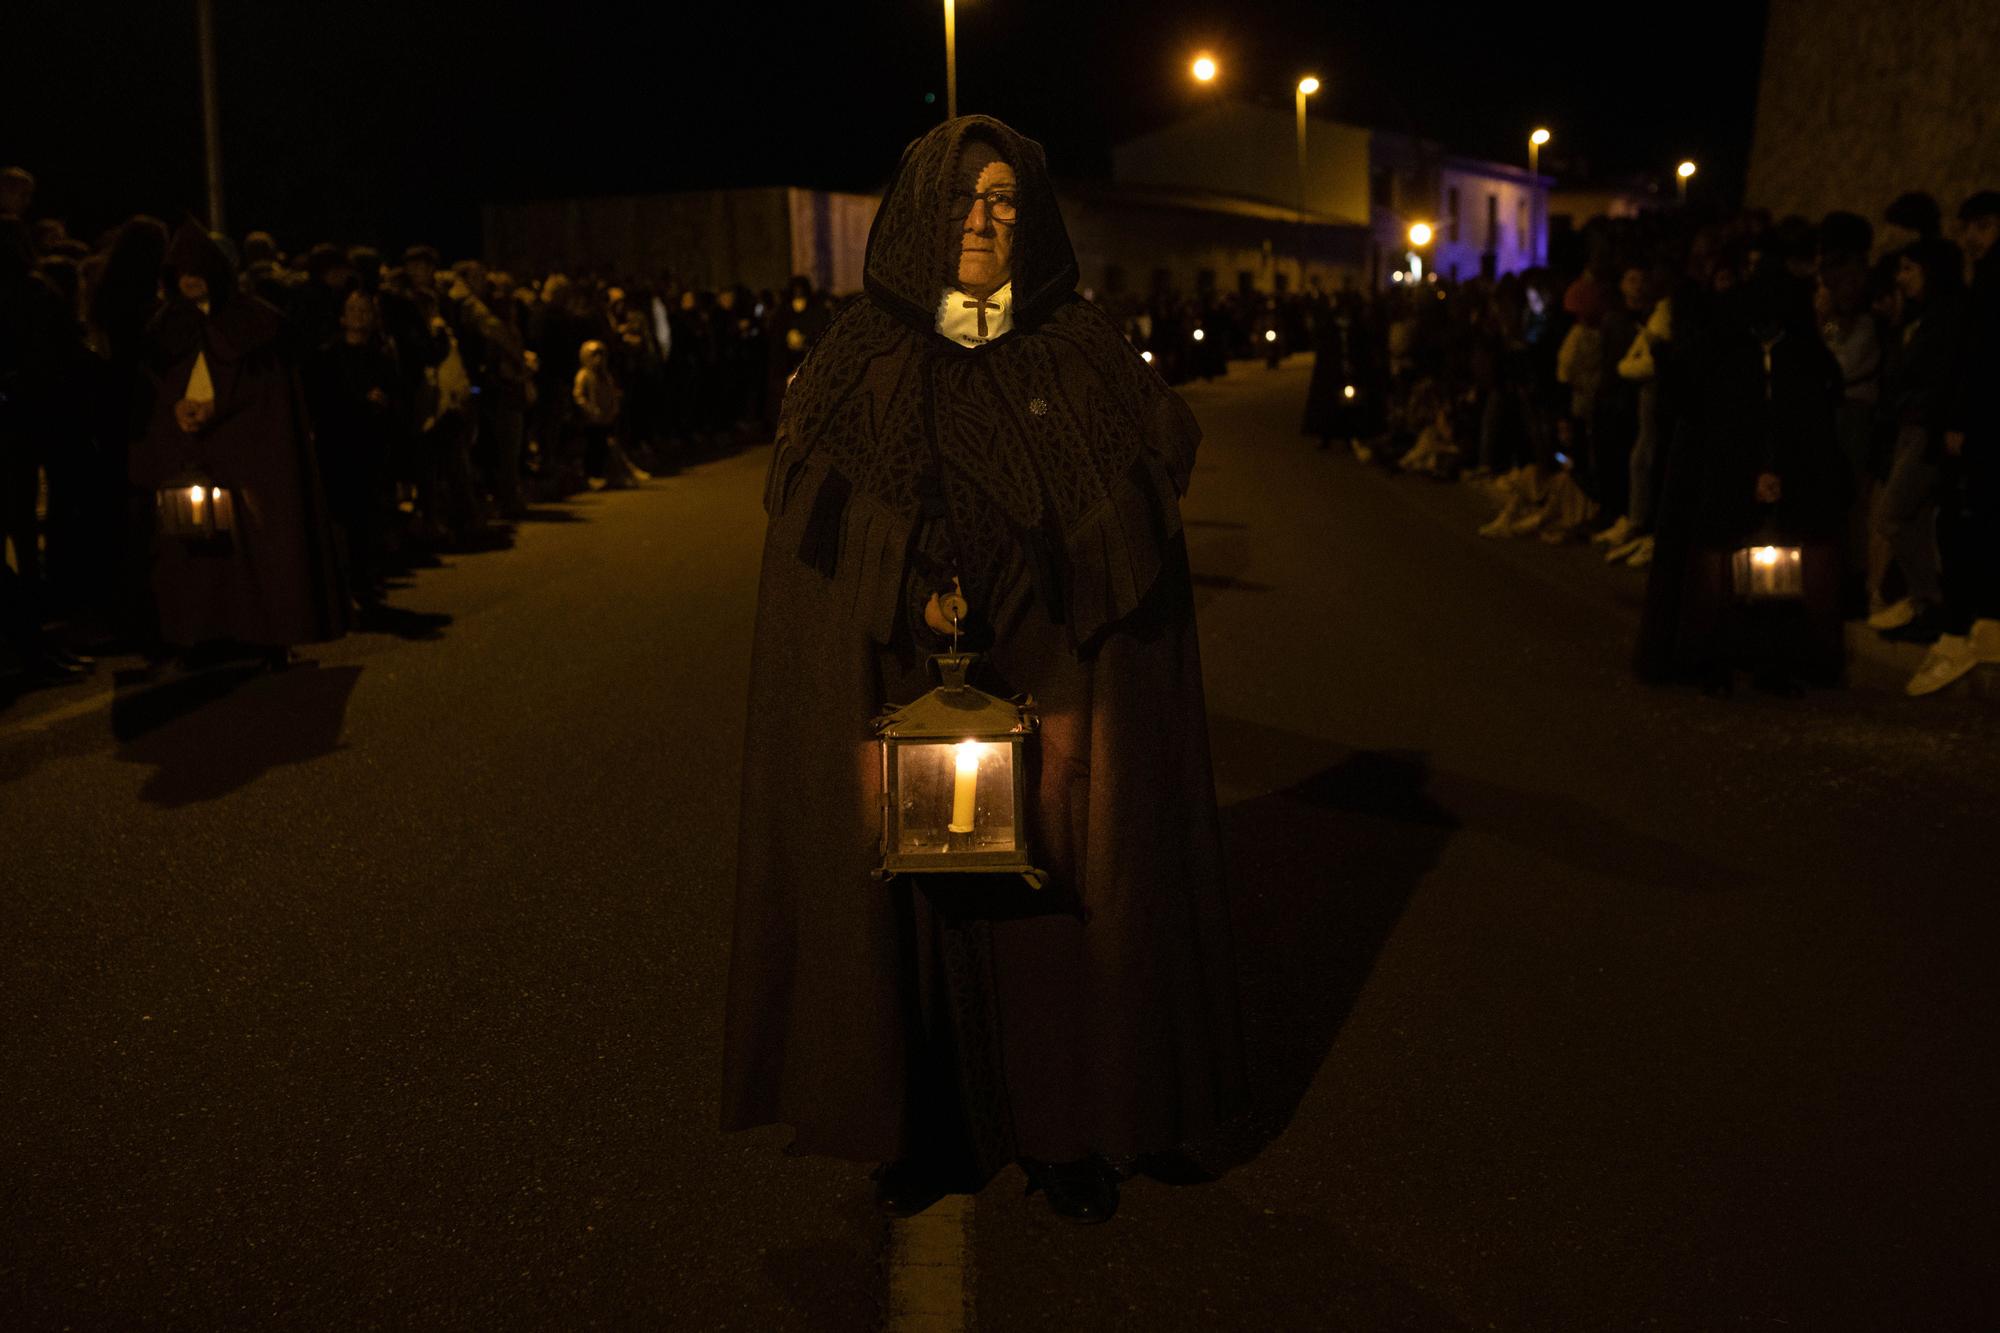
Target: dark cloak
pixel 1741 415
pixel 1343 356
pixel 279 582
pixel 1044 468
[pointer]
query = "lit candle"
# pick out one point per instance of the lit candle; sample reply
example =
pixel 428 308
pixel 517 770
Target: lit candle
pixel 966 786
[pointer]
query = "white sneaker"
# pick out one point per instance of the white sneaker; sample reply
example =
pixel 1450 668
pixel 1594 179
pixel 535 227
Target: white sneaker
pixel 1986 641
pixel 1528 522
pixel 1642 555
pixel 1616 535
pixel 1624 549
pixel 1949 658
pixel 1894 616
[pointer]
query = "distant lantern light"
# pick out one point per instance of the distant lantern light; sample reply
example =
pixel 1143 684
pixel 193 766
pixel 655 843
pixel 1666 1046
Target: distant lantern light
pixel 1270 335
pixel 1538 138
pixel 1147 357
pixel 1684 170
pixel 1204 68
pixel 1420 233
pixel 199 512
pixel 1308 85
pixel 1397 276
pixel 1347 391
pixel 1199 335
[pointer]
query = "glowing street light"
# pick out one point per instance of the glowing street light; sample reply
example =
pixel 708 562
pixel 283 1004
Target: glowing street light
pixel 1420 234
pixel 1204 68
pixel 1683 172
pixel 1308 86
pixel 1535 142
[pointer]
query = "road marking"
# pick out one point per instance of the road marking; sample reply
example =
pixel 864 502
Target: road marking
pixel 57 716
pixel 929 1263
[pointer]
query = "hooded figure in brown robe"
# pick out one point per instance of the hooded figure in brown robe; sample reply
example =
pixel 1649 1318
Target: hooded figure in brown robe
pixel 227 406
pixel 971 424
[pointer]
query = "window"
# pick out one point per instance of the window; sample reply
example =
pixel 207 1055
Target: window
pixel 1492 221
pixel 1451 207
pixel 1246 282
pixel 1204 281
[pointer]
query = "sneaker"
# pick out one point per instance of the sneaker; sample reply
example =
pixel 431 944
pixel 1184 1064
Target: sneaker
pixel 1894 616
pixel 1615 535
pixel 1641 557
pixel 1528 522
pixel 1923 627
pixel 1949 658
pixel 1986 641
pixel 1623 550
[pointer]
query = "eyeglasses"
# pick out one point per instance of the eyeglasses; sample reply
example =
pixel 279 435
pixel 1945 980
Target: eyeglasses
pixel 1001 205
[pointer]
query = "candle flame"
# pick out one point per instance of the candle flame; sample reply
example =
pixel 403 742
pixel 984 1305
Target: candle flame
pixel 968 756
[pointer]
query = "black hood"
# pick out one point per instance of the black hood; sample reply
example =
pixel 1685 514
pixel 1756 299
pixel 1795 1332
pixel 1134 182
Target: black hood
pixel 194 250
pixel 913 246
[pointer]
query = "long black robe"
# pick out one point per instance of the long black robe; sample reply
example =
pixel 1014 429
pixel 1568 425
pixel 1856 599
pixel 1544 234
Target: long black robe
pixel 1098 1014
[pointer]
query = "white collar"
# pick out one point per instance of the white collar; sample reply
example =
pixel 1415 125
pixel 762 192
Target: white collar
pixel 958 316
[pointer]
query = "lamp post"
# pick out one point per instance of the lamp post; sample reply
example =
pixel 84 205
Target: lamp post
pixel 1203 68
pixel 211 111
pixel 1307 87
pixel 1535 142
pixel 950 60
pixel 1682 174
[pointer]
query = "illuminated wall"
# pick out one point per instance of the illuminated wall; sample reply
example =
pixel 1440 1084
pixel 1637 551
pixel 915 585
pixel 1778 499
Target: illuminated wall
pixel 1252 151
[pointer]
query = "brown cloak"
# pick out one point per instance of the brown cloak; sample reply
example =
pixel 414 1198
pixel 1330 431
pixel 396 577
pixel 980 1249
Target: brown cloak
pixel 1044 468
pixel 279 583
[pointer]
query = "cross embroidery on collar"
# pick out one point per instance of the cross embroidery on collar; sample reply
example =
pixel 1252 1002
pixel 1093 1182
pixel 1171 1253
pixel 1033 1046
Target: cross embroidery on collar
pixel 981 305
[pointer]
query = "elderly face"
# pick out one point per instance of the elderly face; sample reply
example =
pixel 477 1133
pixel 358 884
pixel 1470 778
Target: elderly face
pixel 986 245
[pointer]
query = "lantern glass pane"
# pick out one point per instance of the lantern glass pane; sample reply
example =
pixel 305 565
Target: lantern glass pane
pixel 954 797
pixel 1769 571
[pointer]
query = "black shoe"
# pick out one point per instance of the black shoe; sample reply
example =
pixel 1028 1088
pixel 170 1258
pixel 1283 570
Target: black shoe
pixel 904 1189
pixel 1084 1191
pixel 1924 627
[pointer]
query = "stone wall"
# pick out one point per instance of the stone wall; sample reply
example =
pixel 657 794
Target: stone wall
pixel 1864 99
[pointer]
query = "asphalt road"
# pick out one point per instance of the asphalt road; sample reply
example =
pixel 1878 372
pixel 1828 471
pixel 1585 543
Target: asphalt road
pixel 387 992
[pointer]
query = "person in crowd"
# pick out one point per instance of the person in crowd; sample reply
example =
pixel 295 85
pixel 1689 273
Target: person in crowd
pixel 228 415
pixel 352 387
pixel 1344 396
pixel 17 194
pixel 1969 437
pixel 598 402
pixel 946 1026
pixel 1917 384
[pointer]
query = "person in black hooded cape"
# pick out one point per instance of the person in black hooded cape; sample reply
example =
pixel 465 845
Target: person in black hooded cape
pixel 1027 455
pixel 1754 458
pixel 278 583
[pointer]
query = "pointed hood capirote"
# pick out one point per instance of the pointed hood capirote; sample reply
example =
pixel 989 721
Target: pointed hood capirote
pixel 913 244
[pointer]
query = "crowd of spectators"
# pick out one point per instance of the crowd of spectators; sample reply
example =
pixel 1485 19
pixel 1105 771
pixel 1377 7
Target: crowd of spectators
pixel 1679 391
pixel 1685 388
pixel 433 403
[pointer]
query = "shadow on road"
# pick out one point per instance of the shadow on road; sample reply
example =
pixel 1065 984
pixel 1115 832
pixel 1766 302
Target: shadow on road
pixel 215 732
pixel 1320 873
pixel 403 623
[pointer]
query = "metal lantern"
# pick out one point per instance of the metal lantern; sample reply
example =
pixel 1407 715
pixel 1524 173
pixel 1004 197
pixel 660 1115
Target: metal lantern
pixel 955 780
pixel 197 510
pixel 1766 572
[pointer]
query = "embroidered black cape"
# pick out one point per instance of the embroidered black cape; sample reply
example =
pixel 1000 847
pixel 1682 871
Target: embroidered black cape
pixel 1044 470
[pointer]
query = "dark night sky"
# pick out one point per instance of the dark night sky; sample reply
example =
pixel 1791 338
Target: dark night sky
pixel 380 121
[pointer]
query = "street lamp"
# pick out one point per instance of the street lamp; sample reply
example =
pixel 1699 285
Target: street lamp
pixel 1420 234
pixel 1204 69
pixel 1535 142
pixel 1307 87
pixel 1683 172
pixel 951 59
